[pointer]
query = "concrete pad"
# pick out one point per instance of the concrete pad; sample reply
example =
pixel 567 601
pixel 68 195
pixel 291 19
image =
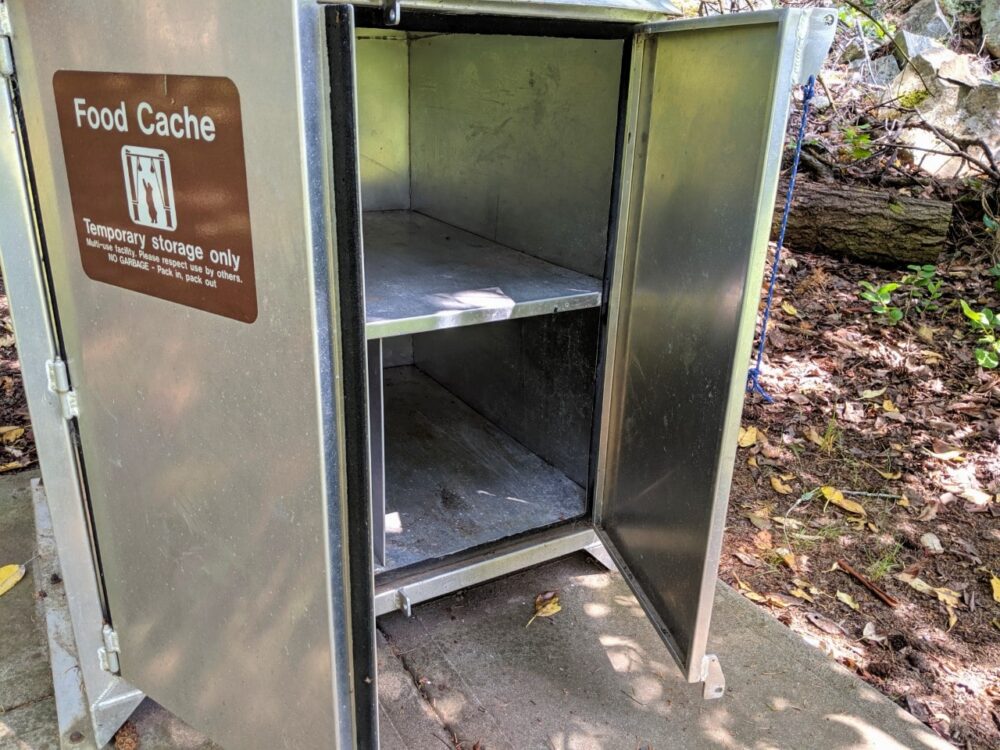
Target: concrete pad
pixel 596 676
pixel 24 658
pixel 30 727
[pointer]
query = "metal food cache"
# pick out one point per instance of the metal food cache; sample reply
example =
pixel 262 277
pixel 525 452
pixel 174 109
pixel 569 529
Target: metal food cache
pixel 326 310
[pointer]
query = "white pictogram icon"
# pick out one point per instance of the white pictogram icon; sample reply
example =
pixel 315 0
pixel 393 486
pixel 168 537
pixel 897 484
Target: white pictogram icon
pixel 149 187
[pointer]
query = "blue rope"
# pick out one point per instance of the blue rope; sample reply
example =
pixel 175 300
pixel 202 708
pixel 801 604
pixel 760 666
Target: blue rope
pixel 753 378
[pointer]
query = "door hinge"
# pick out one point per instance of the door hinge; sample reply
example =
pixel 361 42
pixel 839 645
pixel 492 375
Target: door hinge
pixel 59 385
pixel 6 54
pixel 107 655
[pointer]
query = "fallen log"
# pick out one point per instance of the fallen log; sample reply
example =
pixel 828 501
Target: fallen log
pixel 870 224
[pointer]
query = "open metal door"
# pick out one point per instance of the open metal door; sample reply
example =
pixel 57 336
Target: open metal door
pixel 705 123
pixel 201 227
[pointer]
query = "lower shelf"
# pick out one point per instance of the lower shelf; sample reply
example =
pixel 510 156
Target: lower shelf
pixel 454 480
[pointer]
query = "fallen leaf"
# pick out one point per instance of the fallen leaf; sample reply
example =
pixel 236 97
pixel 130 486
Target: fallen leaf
pixel 926 334
pixel 9 576
pixel 746 559
pixel 779 486
pixel 546 605
pixel 786 522
pixel 752 461
pixel 786 555
pixel 790 309
pixel 948 597
pixel 11 466
pixel 825 624
pixel 870 634
pixel 748 437
pixel 928 512
pixel 945 454
pixel 7 383
pixel 10 434
pixel 781 600
pixel 835 496
pixel 931 543
pixel 887 405
pixel 995 584
pixel 770 451
pixel 848 600
pixel 972 494
pixel 872 393
pixel 903 502
pixel 889 474
pixel 814 437
pixel 759 520
pixel 749 593
pixel 762 540
pixel 801 594
pixel 6 341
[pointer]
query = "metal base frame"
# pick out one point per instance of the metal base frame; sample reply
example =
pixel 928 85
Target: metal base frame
pixel 403 591
pixel 82 725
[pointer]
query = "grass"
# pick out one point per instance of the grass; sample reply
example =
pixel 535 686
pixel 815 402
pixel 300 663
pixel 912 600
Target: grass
pixel 886 562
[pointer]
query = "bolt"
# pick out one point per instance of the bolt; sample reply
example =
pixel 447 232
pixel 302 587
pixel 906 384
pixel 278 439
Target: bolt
pixel 830 20
pixel 76 738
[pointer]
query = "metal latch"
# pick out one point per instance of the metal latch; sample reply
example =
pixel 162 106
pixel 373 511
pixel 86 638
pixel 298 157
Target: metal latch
pixel 59 385
pixel 107 655
pixel 390 12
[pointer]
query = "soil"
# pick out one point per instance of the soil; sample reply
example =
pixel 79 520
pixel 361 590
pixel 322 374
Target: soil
pixel 17 448
pixel 921 457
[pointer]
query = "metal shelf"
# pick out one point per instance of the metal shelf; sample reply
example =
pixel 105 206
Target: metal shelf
pixel 422 274
pixel 454 480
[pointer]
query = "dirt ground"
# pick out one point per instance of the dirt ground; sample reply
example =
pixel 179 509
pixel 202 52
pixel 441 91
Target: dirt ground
pixel 898 419
pixel 901 427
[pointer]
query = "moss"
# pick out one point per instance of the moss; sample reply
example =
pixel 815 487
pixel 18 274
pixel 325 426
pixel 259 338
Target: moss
pixel 912 99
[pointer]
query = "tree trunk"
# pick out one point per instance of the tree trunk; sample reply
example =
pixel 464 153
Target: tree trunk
pixel 878 226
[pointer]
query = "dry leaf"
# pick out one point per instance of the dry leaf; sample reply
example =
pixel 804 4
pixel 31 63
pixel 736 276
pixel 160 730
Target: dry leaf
pixel 801 594
pixel 873 393
pixel 746 559
pixel 762 540
pixel 752 461
pixel 887 405
pixel 786 555
pixel 749 593
pixel 945 454
pixel 759 520
pixel 781 600
pixel 848 600
pixel 889 474
pixel 995 583
pixel 870 634
pixel 928 512
pixel 825 624
pixel 11 466
pixel 948 597
pixel 9 576
pixel 748 437
pixel 903 501
pixel 814 437
pixel 6 341
pixel 11 434
pixel 7 383
pixel 546 605
pixel 931 543
pixel 926 334
pixel 790 309
pixel 779 486
pixel 973 495
pixel 835 496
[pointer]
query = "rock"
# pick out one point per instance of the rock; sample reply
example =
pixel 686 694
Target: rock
pixel 911 44
pixel 820 103
pixel 989 19
pixel 957 101
pixel 884 70
pixel 926 18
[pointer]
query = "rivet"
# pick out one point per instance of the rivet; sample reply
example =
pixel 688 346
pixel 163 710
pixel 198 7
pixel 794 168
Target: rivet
pixel 76 738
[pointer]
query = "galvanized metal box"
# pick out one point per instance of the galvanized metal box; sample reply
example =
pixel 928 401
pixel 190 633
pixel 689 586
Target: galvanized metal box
pixel 326 310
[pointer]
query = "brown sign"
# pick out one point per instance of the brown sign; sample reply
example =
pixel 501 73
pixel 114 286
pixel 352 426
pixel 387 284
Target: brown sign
pixel 157 177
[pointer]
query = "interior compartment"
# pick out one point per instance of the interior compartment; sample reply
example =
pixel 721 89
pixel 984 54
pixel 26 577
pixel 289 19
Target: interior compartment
pixel 486 180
